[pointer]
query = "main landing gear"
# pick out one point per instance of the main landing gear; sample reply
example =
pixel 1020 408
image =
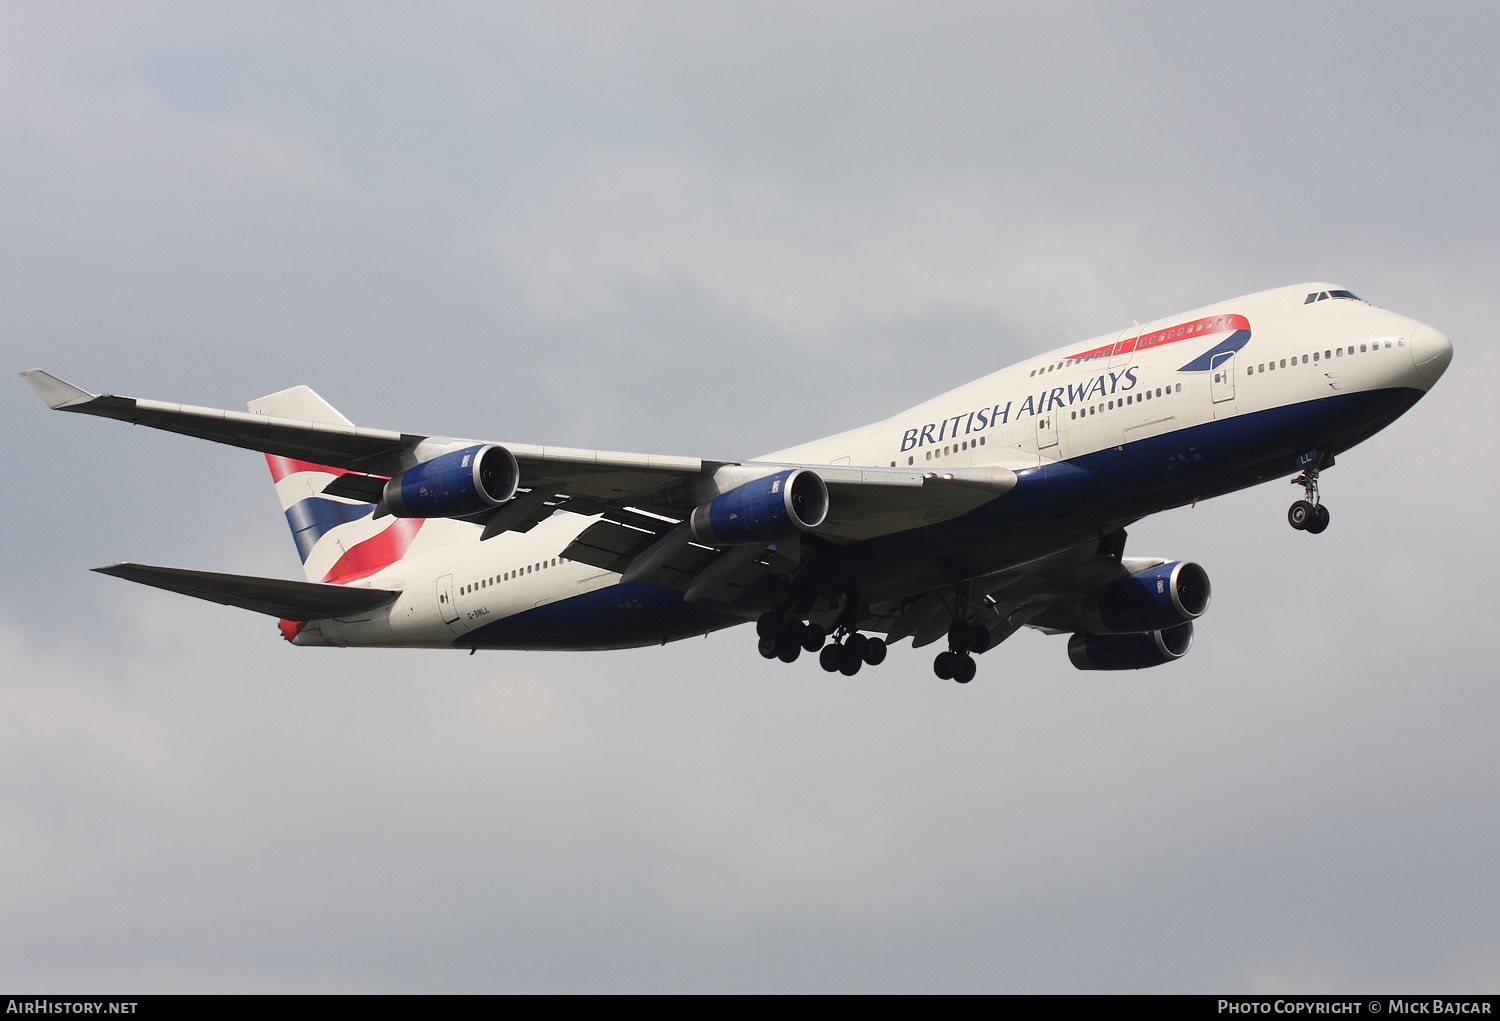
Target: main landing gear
pixel 957 664
pixel 1309 515
pixel 786 640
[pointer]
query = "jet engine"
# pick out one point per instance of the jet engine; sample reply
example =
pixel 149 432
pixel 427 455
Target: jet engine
pixel 456 484
pixel 1158 597
pixel 1130 652
pixel 763 510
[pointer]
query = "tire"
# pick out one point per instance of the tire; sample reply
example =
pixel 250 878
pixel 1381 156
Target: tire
pixel 788 648
pixel 958 635
pixel 857 644
pixel 875 651
pixel 813 637
pixel 963 673
pixel 979 640
pixel 828 659
pixel 944 665
pixel 768 647
pixel 769 625
pixel 1300 514
pixel 1320 519
pixel 849 661
pixel 781 597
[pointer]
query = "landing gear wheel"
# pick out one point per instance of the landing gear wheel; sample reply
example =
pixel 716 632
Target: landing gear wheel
pixel 828 659
pixel 875 651
pixel 946 665
pixel 788 648
pixel 1319 520
pixel 781 597
pixel 979 639
pixel 769 625
pixel 849 661
pixel 1300 514
pixel 963 672
pixel 857 643
pixel 768 647
pixel 813 637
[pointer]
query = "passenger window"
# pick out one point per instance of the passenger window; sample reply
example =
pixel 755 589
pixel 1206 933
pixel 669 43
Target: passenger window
pixel 1148 395
pixel 1283 363
pixel 1340 352
pixel 981 441
pixel 1179 388
pixel 1327 355
pixel 1361 349
pixel 1074 416
pixel 1158 391
pixel 1250 370
pixel 1262 367
pixel 911 460
pixel 1111 405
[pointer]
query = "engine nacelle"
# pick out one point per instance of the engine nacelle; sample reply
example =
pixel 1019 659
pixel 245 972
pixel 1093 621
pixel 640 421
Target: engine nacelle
pixel 763 510
pixel 1158 597
pixel 1130 652
pixel 463 482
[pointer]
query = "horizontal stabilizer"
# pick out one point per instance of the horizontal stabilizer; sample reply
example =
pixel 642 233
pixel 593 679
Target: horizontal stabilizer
pixel 289 600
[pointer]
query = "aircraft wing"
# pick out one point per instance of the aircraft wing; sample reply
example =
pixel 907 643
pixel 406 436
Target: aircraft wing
pixel 587 475
pixel 864 502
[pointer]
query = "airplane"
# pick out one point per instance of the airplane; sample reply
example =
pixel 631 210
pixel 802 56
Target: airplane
pixel 999 505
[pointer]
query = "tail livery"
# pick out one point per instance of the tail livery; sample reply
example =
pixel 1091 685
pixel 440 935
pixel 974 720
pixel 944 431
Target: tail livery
pixel 338 538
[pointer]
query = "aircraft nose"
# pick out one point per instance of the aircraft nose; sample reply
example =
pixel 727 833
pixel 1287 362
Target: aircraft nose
pixel 1431 351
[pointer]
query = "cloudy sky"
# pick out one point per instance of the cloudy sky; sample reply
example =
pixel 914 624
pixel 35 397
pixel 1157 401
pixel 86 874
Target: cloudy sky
pixel 716 230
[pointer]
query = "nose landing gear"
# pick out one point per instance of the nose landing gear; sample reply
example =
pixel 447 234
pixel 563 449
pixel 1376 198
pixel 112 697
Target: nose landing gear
pixel 1309 515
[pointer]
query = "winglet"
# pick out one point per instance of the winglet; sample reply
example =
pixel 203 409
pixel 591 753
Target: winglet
pixel 54 391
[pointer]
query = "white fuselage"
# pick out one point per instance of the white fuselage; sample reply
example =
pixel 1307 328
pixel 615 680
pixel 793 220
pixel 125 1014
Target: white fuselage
pixel 1065 404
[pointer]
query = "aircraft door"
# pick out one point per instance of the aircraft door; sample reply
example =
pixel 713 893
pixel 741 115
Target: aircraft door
pixel 1221 376
pixel 1124 348
pixel 446 604
pixel 1046 430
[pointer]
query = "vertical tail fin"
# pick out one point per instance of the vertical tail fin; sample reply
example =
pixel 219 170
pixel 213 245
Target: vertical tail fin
pixel 337 537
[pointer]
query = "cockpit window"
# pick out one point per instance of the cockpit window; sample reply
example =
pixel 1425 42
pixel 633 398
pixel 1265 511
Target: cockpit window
pixel 1323 296
pixel 1343 294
